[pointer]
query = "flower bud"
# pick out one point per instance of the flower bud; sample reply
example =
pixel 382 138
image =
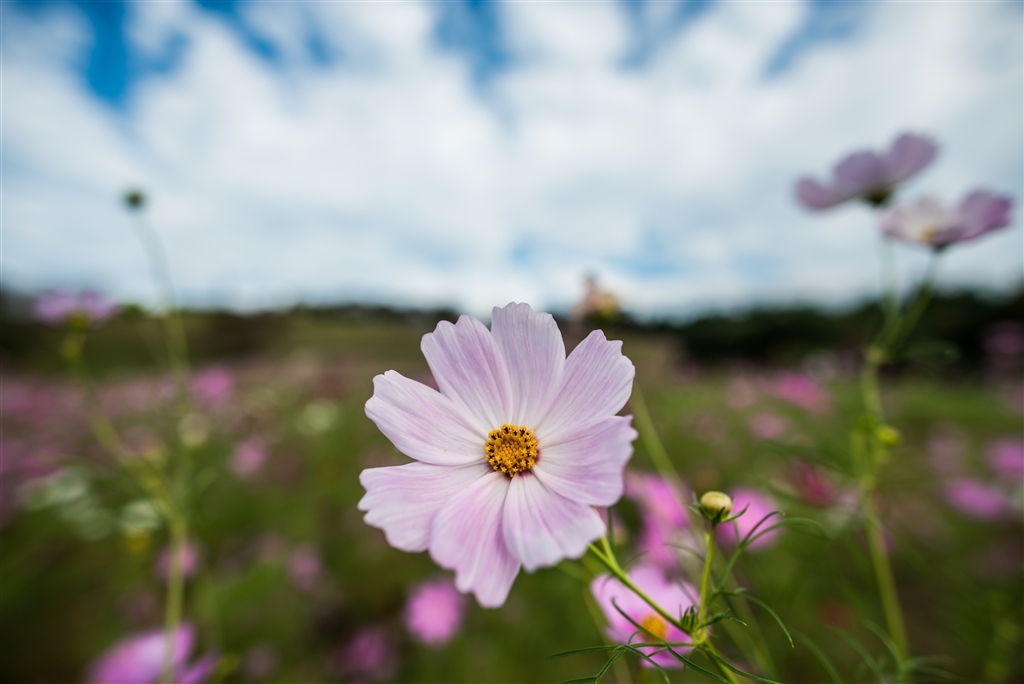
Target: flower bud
pixel 888 436
pixel 715 506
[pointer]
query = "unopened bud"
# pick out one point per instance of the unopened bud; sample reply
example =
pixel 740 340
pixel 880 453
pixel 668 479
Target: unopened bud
pixel 715 505
pixel 889 436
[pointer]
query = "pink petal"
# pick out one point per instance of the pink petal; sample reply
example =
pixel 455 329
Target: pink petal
pixel 586 466
pixel 200 671
pixel 421 423
pixel 470 370
pixel 596 384
pixel 535 356
pixel 466 537
pixel 984 211
pixel 908 155
pixel 541 527
pixel 404 500
pixel 859 172
pixel 814 195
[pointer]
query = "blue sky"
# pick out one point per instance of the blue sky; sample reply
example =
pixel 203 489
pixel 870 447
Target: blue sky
pixel 471 153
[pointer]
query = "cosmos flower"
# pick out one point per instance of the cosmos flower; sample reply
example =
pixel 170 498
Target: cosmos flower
pixel 663 516
pixel 868 175
pixel 930 222
pixel 433 614
pixel 139 660
pixel 674 598
pixel 59 306
pixel 757 506
pixel 977 499
pixel 248 457
pixel 213 385
pixel 512 453
pixel 1006 458
pixel 800 390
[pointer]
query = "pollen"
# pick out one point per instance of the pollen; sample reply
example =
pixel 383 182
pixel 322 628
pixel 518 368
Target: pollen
pixel 511 449
pixel 655 626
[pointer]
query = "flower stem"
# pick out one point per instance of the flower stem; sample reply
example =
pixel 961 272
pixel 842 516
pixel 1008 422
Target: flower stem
pixel 883 574
pixel 705 580
pixel 175 593
pixel 649 435
pixel 608 560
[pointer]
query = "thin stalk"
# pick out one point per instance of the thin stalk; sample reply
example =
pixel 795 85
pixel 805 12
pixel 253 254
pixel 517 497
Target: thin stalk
pixel 175 594
pixel 883 574
pixel 705 580
pixel 613 566
pixel 726 672
pixel 649 435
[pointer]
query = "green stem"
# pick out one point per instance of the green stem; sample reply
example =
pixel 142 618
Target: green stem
pixel 883 573
pixel 609 562
pixel 705 580
pixel 175 593
pixel 726 672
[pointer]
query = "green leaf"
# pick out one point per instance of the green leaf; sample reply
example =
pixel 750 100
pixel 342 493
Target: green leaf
pixel 719 659
pixel 698 668
pixel 742 595
pixel 822 658
pixel 589 649
pixel 723 616
pixel 857 646
pixel 889 644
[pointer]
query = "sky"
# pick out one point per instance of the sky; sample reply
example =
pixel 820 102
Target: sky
pixel 467 154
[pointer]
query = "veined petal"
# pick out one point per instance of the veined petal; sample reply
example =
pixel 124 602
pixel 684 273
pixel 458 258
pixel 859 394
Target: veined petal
pixel 596 384
pixel 542 527
pixel 404 500
pixel 470 370
pixel 535 356
pixel 587 465
pixel 421 423
pixel 466 537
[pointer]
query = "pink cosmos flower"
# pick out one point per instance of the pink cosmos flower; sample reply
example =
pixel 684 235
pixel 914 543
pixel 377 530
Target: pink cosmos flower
pixel 869 175
pixel 58 306
pixel 139 660
pixel 675 598
pixel 511 454
pixel 757 506
pixel 370 654
pixel 213 385
pixel 433 614
pixel 248 457
pixel 977 499
pixel 190 560
pixel 930 222
pixel 802 391
pixel 663 518
pixel 813 486
pixel 1006 458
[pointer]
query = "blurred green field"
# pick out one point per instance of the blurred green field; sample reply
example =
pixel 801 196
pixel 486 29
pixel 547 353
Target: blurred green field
pixel 69 590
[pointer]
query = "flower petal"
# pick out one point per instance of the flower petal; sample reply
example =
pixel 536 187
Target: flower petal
pixel 421 423
pixel 908 155
pixel 814 195
pixel 587 465
pixel 859 172
pixel 596 384
pixel 984 211
pixel 541 527
pixel 404 500
pixel 466 537
pixel 535 356
pixel 470 370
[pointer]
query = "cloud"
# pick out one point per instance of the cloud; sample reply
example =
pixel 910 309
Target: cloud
pixel 363 158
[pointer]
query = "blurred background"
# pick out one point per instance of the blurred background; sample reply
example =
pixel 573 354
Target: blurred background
pixel 330 180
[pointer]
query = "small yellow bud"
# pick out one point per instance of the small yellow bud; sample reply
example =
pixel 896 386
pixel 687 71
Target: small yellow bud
pixel 889 436
pixel 715 505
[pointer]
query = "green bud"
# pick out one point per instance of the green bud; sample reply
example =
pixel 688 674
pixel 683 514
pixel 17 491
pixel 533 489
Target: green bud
pixel 889 436
pixel 715 506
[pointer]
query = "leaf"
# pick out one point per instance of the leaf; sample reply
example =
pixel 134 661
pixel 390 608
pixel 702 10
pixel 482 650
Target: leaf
pixel 822 658
pixel 589 649
pixel 889 644
pixel 724 616
pixel 698 668
pixel 719 659
pixel 659 668
pixel 742 595
pixel 857 646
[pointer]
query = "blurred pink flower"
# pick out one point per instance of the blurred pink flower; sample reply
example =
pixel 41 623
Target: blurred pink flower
pixel 370 654
pixel 930 222
pixel 139 660
pixel 663 518
pixel 802 391
pixel 869 175
pixel 433 614
pixel 675 598
pixel 758 507
pixel 977 499
pixel 511 455
pixel 213 385
pixel 57 307
pixel 1006 458
pixel 740 393
pixel 248 457
pixel 813 486
pixel 767 425
pixel 190 561
pixel 304 567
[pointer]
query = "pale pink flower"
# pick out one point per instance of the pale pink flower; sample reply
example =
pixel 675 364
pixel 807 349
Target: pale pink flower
pixel 59 306
pixel 213 385
pixel 512 453
pixel 370 654
pixel 802 391
pixel 1006 458
pixel 674 598
pixel 248 457
pixel 868 175
pixel 930 222
pixel 977 499
pixel 758 507
pixel 304 567
pixel 663 518
pixel 433 614
pixel 139 660
pixel 767 425
pixel 190 561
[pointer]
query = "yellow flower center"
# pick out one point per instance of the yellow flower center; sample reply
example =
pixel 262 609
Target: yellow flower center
pixel 655 627
pixel 511 449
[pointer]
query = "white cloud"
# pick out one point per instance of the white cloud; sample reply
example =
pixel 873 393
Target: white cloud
pixel 388 176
